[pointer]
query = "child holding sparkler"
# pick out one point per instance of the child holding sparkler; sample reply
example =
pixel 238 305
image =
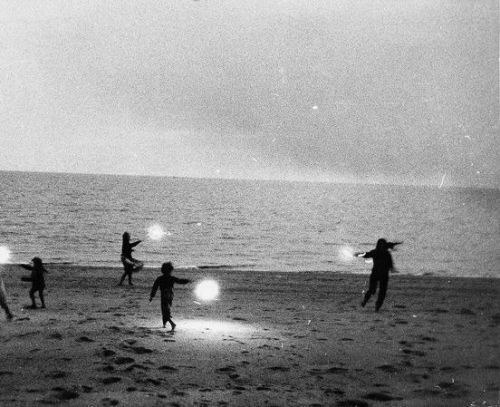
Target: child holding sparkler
pixel 166 285
pixel 382 264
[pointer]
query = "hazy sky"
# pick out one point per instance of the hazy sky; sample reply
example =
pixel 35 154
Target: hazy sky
pixel 339 90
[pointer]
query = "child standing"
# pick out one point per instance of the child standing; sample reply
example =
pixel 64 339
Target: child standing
pixel 166 284
pixel 130 264
pixel 37 280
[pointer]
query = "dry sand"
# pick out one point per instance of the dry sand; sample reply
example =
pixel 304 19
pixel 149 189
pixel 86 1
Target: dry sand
pixel 271 339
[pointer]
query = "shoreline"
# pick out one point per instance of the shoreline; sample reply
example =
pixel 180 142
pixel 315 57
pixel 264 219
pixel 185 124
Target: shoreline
pixel 229 269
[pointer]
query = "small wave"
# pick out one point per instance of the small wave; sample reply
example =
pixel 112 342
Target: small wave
pixel 226 266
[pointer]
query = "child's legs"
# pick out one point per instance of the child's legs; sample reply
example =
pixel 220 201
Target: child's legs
pixel 127 271
pixel 5 307
pixel 32 296
pixel 384 281
pixel 372 288
pixel 165 311
pixel 40 293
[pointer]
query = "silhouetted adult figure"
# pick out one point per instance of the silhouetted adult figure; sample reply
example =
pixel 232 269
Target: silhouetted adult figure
pixel 3 299
pixel 382 264
pixel 166 284
pixel 130 264
pixel 37 280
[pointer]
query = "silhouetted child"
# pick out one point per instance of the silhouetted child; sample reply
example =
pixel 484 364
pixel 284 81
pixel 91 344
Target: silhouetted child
pixel 3 299
pixel 130 264
pixel 382 264
pixel 166 284
pixel 37 280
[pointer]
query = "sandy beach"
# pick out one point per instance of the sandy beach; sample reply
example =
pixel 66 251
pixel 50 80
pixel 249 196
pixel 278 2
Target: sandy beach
pixel 275 339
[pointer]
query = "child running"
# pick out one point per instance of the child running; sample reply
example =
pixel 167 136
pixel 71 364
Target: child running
pixel 382 264
pixel 166 285
pixel 37 280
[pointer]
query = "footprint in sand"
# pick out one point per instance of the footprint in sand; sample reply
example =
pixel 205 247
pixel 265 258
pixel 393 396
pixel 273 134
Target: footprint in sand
pixel 279 368
pixel 136 366
pixel 57 374
pixel 107 353
pixel 387 368
pixel 58 394
pixel 377 396
pixel 413 352
pixel 352 403
pixel 55 335
pixel 168 368
pixel 123 360
pixel 106 401
pixel 140 350
pixel 110 380
pixel 226 369
pixel 84 339
pixel 87 389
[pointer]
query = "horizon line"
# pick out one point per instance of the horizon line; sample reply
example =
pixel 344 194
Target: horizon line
pixel 289 180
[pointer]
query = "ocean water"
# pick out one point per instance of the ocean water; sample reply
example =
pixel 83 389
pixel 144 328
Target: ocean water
pixel 248 225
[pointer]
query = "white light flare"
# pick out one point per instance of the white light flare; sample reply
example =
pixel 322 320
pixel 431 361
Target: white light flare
pixel 346 254
pixel 207 290
pixel 4 254
pixel 156 232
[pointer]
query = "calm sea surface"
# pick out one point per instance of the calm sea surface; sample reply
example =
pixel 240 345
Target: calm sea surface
pixel 248 225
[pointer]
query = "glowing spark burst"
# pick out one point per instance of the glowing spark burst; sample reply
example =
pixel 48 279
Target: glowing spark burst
pixel 4 254
pixel 346 254
pixel 207 290
pixel 156 232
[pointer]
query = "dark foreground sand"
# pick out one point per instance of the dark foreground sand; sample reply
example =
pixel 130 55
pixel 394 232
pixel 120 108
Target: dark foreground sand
pixel 271 339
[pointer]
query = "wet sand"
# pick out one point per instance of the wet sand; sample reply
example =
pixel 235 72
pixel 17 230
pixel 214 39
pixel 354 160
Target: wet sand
pixel 271 339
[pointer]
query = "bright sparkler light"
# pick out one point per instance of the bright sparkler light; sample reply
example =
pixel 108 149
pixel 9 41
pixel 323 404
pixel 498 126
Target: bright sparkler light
pixel 4 254
pixel 207 290
pixel 346 254
pixel 156 232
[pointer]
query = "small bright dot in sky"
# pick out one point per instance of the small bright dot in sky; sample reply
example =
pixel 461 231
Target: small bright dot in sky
pixel 207 290
pixel 4 254
pixel 315 107
pixel 156 232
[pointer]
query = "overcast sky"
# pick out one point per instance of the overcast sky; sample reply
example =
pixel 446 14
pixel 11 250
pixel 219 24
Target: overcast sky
pixel 372 91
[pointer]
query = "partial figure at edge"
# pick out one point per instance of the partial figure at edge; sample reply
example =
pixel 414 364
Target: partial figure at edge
pixel 3 299
pixel 382 264
pixel 37 280
pixel 166 284
pixel 130 265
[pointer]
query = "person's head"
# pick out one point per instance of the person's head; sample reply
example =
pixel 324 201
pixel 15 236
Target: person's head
pixel 167 268
pixel 37 261
pixel 126 236
pixel 381 244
